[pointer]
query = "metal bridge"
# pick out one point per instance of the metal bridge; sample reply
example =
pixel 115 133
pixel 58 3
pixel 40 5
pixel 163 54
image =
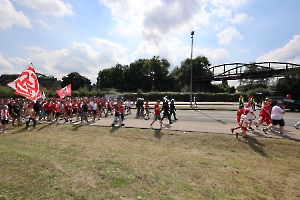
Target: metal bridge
pixel 235 71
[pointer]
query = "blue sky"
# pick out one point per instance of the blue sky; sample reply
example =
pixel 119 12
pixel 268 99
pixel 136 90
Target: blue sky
pixel 85 36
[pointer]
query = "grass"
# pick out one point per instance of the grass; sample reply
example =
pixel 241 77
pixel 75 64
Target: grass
pixel 90 162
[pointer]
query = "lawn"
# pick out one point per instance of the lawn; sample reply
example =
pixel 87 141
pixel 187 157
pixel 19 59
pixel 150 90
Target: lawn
pixel 91 162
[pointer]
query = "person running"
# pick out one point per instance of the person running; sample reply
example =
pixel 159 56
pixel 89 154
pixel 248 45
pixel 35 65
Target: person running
pixel 68 111
pixel 84 111
pixel 37 109
pixel 250 115
pixel 157 115
pixel 57 113
pixel 166 110
pixel 173 109
pixel 4 116
pixel 239 113
pixel 119 109
pixel 94 106
pixel 244 123
pixel 147 110
pixel 277 118
pixel 16 113
pixel 48 110
pixel 30 116
pixel 128 106
pixel 265 113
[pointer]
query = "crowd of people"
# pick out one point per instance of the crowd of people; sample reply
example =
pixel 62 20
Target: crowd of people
pixel 78 110
pixel 22 111
pixel 268 116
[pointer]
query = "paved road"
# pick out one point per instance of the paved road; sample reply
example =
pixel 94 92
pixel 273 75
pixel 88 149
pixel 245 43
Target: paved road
pixel 220 116
pixel 207 121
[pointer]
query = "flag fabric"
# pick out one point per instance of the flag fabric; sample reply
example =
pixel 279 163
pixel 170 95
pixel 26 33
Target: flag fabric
pixel 27 84
pixel 66 91
pixel 12 85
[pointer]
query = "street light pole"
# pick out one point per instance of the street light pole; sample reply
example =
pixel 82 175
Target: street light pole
pixel 191 84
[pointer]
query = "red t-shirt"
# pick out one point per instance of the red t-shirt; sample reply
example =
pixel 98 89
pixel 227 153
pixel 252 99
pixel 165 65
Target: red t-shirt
pixel 265 109
pixel 156 109
pixel 48 106
pixel 56 107
pixel 147 105
pixel 121 109
pixel 239 113
pixel 68 108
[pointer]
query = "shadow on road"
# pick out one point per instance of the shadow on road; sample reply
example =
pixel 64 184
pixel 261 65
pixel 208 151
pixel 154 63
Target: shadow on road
pixel 220 121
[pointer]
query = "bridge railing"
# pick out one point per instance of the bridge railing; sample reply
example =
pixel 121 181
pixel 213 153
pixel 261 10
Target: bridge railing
pixel 237 70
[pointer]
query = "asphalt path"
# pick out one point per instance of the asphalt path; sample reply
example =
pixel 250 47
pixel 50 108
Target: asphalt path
pixel 220 116
pixel 291 118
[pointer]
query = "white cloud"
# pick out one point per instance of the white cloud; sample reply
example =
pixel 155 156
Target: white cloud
pixel 229 3
pixel 226 36
pixel 157 19
pixel 55 8
pixel 288 53
pixel 223 13
pixel 218 26
pixel 239 18
pixel 44 24
pixel 78 57
pixel 9 16
pixel 6 67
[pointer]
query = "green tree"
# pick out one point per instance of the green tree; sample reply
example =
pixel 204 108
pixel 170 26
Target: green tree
pixel 182 75
pixel 77 81
pixel 289 84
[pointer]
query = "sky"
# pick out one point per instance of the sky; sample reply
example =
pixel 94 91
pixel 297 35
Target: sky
pixel 85 36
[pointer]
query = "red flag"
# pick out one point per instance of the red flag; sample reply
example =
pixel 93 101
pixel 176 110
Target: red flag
pixel 27 84
pixel 66 91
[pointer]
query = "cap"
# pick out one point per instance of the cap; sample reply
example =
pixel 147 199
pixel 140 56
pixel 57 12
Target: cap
pixel 279 102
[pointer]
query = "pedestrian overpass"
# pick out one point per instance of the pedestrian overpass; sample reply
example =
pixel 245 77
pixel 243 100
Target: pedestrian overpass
pixel 258 70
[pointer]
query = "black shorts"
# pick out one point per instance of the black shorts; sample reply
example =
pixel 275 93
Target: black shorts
pixel 58 114
pixel 69 113
pixel 94 112
pixel 16 115
pixel 4 121
pixel 48 112
pixel 279 122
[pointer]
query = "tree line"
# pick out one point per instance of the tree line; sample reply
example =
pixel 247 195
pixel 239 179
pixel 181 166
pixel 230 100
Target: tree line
pixel 154 75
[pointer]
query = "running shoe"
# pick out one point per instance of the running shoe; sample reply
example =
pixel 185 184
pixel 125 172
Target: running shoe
pixel 232 130
pixel 250 129
pixel 265 130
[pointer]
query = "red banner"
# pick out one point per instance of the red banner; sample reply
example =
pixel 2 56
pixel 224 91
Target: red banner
pixel 27 84
pixel 66 91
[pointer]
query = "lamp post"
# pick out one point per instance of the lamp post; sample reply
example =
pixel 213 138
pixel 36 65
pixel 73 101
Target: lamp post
pixel 191 84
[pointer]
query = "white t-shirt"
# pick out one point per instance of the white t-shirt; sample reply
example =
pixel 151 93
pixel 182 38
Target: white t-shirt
pixel 244 120
pixel 94 105
pixel 249 114
pixel 277 113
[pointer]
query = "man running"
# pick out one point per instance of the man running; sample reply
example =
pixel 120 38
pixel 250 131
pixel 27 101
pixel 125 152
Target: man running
pixel 157 114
